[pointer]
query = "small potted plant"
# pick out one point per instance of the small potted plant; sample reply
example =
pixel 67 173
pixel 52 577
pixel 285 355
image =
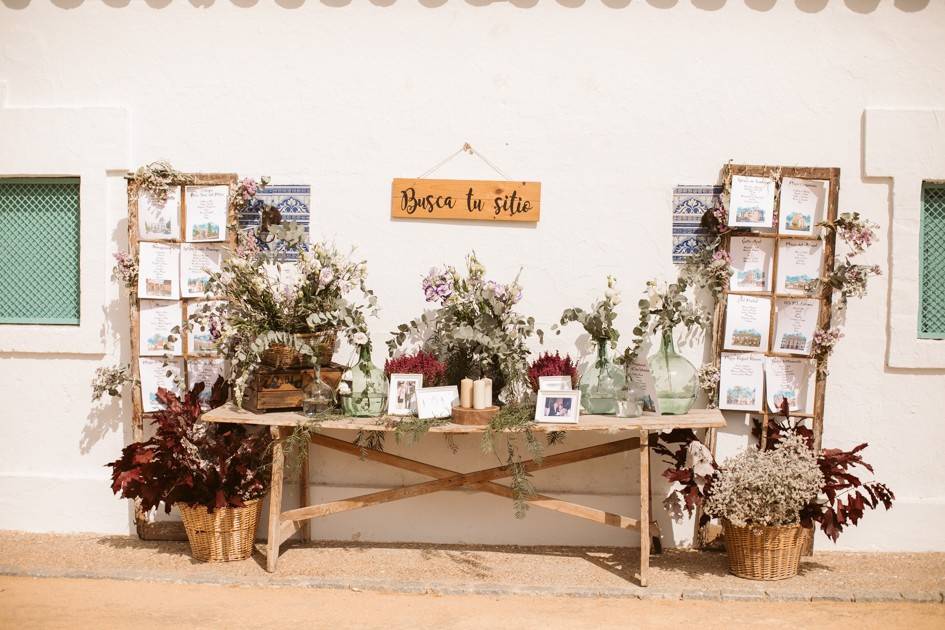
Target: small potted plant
pixel 769 500
pixel 549 364
pixel 215 474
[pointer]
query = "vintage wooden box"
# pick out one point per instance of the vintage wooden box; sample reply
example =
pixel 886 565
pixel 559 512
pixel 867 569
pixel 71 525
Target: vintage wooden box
pixel 283 389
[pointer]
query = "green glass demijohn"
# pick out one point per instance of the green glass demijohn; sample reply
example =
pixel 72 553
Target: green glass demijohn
pixel 601 383
pixel 368 395
pixel 674 378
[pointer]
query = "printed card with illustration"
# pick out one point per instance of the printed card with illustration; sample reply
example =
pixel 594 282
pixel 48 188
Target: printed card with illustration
pixel 802 205
pixel 747 320
pixel 799 264
pixel 204 371
pixel 795 323
pixel 751 263
pixel 741 379
pixel 155 373
pixel 158 271
pixel 206 210
pixel 639 372
pixel 156 220
pixel 197 262
pixel 751 203
pixel 200 337
pixel 787 379
pixel 157 319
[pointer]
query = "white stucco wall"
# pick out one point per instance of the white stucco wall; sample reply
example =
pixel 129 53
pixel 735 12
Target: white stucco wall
pixel 608 104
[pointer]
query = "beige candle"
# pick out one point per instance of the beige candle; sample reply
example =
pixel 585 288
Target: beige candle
pixel 465 393
pixel 487 393
pixel 479 394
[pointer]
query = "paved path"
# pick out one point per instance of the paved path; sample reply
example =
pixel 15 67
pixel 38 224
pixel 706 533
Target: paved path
pixel 77 604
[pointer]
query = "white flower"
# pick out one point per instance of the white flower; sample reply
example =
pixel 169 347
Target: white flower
pixel 701 459
pixel 343 389
pixel 359 338
pixel 271 271
pixel 226 277
pixel 613 296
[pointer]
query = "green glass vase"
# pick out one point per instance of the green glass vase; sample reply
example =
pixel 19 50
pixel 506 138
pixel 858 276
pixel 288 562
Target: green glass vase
pixel 368 397
pixel 601 383
pixel 674 377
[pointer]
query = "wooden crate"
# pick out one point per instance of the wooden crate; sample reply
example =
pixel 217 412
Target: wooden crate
pixel 283 389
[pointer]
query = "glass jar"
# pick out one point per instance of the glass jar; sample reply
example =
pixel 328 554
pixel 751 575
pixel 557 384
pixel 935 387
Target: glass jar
pixel 368 397
pixel 600 384
pixel 674 377
pixel 319 395
pixel 630 400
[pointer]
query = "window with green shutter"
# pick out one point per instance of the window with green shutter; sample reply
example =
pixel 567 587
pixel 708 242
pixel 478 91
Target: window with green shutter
pixel 932 262
pixel 39 251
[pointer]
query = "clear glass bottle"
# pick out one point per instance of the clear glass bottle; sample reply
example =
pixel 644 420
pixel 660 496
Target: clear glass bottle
pixel 630 400
pixel 319 395
pixel 600 384
pixel 674 377
pixel 368 397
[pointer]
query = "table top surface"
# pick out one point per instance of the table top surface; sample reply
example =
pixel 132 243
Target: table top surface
pixel 695 419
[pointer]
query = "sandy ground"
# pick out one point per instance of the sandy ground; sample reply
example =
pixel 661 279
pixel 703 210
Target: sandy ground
pixel 78 604
pixel 461 570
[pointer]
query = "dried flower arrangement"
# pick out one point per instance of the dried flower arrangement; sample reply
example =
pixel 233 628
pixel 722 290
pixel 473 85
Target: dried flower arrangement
pixel 420 362
pixel 475 330
pixel 267 302
pixel 551 365
pixel 158 177
pixel 125 270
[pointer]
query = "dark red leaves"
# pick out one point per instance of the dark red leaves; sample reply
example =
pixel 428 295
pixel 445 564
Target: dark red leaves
pixel 551 365
pixel 212 465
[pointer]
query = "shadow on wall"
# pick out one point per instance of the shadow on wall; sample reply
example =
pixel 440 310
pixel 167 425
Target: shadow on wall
pixel 807 6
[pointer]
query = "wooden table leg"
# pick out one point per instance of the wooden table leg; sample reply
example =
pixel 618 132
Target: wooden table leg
pixel 644 506
pixel 305 532
pixel 275 500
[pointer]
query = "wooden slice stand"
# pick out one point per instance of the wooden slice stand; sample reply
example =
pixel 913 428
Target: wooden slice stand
pixel 470 416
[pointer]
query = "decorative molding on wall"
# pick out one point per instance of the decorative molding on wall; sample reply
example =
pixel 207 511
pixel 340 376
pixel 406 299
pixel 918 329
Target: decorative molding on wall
pixel 84 142
pixel 908 146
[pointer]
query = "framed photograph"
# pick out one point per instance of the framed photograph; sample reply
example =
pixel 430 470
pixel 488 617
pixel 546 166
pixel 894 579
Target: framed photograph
pixel 558 407
pixel 436 402
pixel 555 383
pixel 402 395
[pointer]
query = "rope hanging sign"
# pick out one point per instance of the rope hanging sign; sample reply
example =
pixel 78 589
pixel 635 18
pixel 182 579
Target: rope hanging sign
pixel 466 199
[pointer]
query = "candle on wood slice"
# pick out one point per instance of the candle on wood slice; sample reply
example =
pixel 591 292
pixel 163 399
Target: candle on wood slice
pixel 466 393
pixel 487 394
pixel 479 394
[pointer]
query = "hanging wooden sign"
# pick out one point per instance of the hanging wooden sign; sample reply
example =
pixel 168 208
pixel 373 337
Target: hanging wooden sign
pixel 468 199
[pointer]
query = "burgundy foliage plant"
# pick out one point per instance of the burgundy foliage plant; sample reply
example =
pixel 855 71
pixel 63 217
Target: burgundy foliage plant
pixel 551 365
pixel 434 372
pixel 198 463
pixel 843 499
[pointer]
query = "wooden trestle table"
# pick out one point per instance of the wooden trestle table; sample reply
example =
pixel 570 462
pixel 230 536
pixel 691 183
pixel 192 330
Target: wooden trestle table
pixel 283 524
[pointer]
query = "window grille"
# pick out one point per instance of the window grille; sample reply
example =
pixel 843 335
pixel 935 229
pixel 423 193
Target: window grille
pixel 39 251
pixel 932 263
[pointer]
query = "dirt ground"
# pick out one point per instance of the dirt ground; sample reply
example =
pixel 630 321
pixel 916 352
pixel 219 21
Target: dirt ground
pixel 78 604
pixel 459 570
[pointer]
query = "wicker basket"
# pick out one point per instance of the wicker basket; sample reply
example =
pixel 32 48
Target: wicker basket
pixel 226 534
pixel 764 553
pixel 282 356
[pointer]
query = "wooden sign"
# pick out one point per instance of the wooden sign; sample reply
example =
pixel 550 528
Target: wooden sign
pixel 469 199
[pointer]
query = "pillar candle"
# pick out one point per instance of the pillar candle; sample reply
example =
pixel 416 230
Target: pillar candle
pixel 465 393
pixel 487 391
pixel 479 394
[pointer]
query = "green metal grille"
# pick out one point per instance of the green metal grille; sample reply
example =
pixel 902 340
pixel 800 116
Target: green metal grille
pixel 39 251
pixel 932 263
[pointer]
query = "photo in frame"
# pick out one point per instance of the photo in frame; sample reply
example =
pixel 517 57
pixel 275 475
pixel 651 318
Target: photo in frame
pixel 436 402
pixel 402 394
pixel 558 407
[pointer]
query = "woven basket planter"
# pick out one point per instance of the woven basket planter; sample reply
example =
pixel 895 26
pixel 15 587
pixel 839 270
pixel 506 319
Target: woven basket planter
pixel 764 553
pixel 282 356
pixel 224 535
